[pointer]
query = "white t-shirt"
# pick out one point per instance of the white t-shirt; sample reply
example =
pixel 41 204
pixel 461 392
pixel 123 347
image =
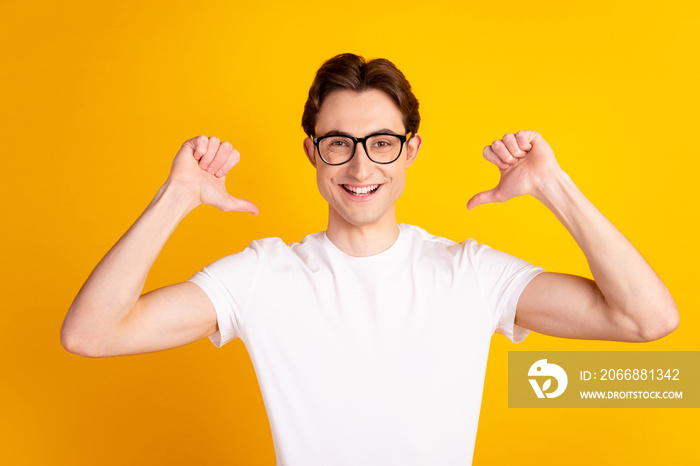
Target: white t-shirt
pixel 376 360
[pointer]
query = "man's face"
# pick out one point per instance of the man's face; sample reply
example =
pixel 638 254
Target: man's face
pixel 358 115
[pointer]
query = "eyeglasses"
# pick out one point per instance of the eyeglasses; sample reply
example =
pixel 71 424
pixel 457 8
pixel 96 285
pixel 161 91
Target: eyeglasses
pixel 380 148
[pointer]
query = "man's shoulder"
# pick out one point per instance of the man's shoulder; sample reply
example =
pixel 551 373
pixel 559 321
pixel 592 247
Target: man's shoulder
pixel 428 244
pixel 275 242
pixel 430 240
pixel 277 248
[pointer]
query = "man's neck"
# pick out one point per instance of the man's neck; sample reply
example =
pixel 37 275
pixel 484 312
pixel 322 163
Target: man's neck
pixel 363 240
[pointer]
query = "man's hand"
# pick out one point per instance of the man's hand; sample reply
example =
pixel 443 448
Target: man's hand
pixel 201 166
pixel 525 160
pixel 626 302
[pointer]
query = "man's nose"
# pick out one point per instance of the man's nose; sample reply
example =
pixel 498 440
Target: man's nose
pixel 360 166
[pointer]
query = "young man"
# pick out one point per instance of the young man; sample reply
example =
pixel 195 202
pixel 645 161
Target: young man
pixel 370 339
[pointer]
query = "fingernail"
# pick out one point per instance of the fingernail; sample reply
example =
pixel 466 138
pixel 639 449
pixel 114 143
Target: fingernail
pixel 219 173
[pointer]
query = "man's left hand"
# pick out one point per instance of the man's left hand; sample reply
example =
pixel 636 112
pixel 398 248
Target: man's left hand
pixel 525 161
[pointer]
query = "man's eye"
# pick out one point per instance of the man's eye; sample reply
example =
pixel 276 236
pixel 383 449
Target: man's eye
pixel 337 143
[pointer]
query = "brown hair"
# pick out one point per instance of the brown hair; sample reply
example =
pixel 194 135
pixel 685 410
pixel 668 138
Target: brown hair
pixel 350 71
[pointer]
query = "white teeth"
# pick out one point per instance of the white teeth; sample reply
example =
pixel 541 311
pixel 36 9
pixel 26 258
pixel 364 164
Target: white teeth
pixel 362 191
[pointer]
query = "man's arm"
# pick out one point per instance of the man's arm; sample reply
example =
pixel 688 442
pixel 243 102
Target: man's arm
pixel 109 316
pixel 626 302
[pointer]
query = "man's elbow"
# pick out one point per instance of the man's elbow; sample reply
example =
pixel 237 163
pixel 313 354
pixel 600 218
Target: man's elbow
pixel 74 343
pixel 71 345
pixel 666 323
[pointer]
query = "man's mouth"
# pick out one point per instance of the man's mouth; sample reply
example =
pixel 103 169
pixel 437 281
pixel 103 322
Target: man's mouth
pixel 360 190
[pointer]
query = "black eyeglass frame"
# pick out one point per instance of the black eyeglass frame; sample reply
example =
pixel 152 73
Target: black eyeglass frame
pixel 402 138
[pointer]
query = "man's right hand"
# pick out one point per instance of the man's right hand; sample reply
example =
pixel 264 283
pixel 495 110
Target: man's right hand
pixel 201 166
pixel 110 316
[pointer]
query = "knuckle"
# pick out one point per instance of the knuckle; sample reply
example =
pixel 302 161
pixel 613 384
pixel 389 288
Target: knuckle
pixel 226 147
pixel 200 143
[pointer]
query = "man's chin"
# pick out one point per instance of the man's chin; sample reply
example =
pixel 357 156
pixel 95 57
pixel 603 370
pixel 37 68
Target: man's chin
pixel 359 219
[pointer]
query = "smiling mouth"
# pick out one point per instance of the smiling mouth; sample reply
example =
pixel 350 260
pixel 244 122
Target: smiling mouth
pixel 361 191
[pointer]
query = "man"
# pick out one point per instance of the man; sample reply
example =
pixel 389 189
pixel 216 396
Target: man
pixel 370 339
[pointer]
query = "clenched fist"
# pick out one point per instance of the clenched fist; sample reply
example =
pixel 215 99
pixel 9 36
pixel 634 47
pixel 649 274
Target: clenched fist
pixel 525 161
pixel 201 166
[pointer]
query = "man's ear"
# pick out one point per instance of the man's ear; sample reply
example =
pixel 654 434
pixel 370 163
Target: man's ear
pixel 413 147
pixel 310 151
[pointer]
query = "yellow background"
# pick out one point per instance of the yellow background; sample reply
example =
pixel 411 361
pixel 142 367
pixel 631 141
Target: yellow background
pixel 97 98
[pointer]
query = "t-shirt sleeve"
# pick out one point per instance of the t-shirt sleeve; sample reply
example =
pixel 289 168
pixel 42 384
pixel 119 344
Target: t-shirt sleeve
pixel 502 278
pixel 229 282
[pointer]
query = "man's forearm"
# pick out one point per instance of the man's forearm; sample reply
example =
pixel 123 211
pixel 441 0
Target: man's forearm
pixel 625 279
pixel 115 285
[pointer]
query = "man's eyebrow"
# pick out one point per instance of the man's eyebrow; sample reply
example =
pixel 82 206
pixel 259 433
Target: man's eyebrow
pixel 337 132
